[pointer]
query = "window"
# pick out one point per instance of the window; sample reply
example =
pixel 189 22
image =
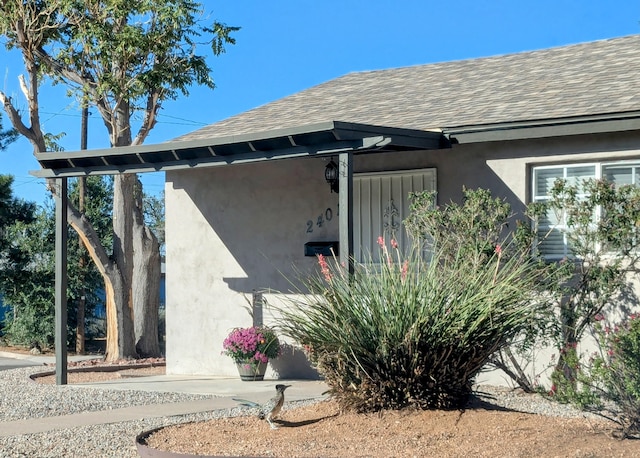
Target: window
pixel 555 246
pixel 621 173
pixel 381 203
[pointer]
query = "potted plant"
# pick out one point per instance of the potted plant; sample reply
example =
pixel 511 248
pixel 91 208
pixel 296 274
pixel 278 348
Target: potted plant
pixel 251 349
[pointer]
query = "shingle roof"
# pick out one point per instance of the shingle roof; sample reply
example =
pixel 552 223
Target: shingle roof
pixel 579 80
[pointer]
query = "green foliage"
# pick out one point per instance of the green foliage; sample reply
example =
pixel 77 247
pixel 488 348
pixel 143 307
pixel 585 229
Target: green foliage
pixel 601 223
pixel 27 282
pixel 129 50
pixel 12 209
pixel 6 136
pixel 27 268
pixel 474 228
pixel 610 384
pixel 601 228
pixel 409 332
pixel 98 204
pixel 84 279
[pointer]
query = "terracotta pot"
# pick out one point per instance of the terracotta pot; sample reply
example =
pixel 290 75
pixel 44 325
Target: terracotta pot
pixel 251 372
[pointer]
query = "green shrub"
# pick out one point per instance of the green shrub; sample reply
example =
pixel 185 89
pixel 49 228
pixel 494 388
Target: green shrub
pixel 408 332
pixel 610 384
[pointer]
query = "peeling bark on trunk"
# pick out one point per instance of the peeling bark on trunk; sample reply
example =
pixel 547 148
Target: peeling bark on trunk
pixel 146 291
pixel 120 336
pixel 113 282
pixel 145 282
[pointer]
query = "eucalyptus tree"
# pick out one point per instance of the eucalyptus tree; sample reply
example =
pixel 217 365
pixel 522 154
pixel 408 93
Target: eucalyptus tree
pixel 125 59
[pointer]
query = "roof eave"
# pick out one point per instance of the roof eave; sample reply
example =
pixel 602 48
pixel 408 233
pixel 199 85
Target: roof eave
pixel 560 127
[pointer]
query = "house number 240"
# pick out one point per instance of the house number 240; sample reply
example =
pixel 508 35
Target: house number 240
pixel 320 220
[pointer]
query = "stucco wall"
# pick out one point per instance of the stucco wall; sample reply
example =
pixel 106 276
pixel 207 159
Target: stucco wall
pixel 235 229
pixel 230 231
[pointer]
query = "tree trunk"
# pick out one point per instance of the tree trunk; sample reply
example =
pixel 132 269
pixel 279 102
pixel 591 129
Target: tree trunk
pixel 145 281
pixel 146 291
pixel 120 335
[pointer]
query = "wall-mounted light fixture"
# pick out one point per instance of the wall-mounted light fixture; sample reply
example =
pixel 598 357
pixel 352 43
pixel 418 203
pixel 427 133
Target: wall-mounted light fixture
pixel 331 175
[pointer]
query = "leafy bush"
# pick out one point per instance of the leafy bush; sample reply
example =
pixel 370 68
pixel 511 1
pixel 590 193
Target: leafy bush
pixel 610 385
pixel 603 250
pixel 409 332
pixel 473 228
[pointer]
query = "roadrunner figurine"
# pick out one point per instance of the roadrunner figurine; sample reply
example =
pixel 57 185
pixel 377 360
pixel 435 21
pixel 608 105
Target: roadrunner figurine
pixel 271 408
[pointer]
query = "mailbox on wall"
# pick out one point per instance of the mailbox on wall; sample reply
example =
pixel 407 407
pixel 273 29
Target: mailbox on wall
pixel 323 248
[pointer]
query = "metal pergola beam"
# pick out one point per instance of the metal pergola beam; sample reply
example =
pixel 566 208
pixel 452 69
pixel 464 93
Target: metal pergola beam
pixel 312 140
pixel 61 281
pixel 345 202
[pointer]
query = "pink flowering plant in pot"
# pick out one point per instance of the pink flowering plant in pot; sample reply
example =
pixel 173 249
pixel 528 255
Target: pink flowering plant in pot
pixel 254 345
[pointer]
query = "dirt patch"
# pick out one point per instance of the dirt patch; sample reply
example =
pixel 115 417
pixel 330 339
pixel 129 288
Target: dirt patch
pixel 23 350
pixel 92 347
pixel 97 370
pixel 98 375
pixel 322 430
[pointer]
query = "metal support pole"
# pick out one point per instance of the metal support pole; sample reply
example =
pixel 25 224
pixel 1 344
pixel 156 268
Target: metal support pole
pixel 345 200
pixel 257 308
pixel 61 281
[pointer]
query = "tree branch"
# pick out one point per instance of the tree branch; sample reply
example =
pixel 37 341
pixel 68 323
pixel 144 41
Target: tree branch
pixel 150 118
pixel 83 81
pixel 15 119
pixel 90 239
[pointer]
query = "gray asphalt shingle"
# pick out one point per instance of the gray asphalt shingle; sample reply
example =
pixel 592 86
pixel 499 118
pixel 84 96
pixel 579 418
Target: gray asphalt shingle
pixel 586 79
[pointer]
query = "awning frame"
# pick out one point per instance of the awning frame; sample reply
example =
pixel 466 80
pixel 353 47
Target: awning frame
pixel 327 138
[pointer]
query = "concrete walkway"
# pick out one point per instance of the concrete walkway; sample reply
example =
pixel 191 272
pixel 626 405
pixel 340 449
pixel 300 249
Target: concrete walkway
pixel 224 389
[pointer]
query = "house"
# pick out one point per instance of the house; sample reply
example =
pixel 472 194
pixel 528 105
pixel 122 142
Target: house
pixel 247 203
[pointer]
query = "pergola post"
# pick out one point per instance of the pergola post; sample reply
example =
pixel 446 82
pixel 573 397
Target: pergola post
pixel 345 201
pixel 61 281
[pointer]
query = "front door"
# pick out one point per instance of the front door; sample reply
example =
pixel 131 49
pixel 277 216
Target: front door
pixel 381 204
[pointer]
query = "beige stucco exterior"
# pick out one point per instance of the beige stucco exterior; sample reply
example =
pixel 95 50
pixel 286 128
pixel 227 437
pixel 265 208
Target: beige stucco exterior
pixel 232 230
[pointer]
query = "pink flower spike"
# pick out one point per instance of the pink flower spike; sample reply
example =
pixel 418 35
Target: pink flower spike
pixel 498 249
pixel 394 244
pixel 380 241
pixel 599 317
pixel 324 267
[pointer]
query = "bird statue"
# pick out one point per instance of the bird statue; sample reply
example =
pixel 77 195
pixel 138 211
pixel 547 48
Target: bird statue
pixel 270 409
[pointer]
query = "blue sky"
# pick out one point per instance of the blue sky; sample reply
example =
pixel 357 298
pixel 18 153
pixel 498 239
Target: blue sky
pixel 285 46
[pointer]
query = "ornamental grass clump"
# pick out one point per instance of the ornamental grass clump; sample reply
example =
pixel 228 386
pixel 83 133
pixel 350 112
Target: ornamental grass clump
pixel 257 344
pixel 407 332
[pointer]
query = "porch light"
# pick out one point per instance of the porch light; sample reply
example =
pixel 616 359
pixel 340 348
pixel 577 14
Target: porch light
pixel 331 175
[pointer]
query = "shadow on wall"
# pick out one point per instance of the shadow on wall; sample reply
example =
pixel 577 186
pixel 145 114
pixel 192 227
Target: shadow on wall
pixel 293 364
pixel 259 212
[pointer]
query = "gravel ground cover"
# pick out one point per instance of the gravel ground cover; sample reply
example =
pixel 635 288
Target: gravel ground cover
pixel 501 422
